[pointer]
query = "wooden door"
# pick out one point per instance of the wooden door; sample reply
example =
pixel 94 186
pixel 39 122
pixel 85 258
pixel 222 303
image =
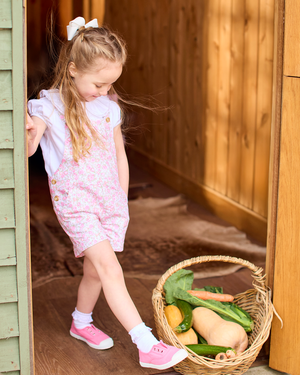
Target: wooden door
pixel 284 220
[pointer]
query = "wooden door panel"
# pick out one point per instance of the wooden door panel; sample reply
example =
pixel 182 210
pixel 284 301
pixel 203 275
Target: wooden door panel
pixel 285 342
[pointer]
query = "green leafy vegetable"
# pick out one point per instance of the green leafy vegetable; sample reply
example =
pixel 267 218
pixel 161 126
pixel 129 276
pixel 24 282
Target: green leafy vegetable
pixel 211 289
pixel 201 339
pixel 182 279
pixel 229 310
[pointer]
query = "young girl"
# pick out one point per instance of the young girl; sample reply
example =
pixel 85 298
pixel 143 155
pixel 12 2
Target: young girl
pixel 79 130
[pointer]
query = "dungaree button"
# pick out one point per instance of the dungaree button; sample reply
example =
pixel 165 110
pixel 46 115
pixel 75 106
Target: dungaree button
pixel 56 198
pixel 107 119
pixel 53 182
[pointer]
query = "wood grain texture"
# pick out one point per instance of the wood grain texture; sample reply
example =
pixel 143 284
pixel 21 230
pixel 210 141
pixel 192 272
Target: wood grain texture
pixel 9 355
pixel 236 99
pixel 21 201
pixel 8 287
pixel 6 169
pixel 5 42
pixel 223 114
pixel 7 214
pixel 264 107
pixel 286 297
pixel 275 139
pixel 249 102
pixel 5 14
pixel 8 247
pixel 6 90
pixel 213 47
pixel 6 130
pixel 210 64
pixel 291 39
pixel 9 320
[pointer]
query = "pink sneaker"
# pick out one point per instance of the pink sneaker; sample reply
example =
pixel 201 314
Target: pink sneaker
pixel 92 336
pixel 162 356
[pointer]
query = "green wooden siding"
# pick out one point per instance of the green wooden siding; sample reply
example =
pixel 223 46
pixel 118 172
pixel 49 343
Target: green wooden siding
pixel 8 248
pixel 16 348
pixel 6 129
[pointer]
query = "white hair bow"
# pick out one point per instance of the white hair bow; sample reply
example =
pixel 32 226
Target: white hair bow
pixel 77 23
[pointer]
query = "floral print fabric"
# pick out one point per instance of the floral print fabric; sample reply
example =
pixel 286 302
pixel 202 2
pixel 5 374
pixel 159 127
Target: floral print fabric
pixel 87 197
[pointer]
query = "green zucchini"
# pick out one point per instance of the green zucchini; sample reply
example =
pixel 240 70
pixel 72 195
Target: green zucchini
pixel 187 313
pixel 208 350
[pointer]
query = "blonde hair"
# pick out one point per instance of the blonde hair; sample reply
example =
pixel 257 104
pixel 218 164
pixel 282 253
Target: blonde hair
pixel 83 50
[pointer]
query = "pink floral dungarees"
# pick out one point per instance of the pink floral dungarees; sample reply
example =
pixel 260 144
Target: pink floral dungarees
pixel 87 197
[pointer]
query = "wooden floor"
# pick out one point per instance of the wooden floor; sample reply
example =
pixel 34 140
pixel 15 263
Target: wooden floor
pixel 57 353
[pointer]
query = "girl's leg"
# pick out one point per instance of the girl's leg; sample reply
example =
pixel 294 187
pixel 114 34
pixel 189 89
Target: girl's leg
pixel 104 260
pixel 89 288
pixel 152 353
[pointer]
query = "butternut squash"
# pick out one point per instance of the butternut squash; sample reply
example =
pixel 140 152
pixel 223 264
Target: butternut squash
pixel 173 315
pixel 188 338
pixel 218 331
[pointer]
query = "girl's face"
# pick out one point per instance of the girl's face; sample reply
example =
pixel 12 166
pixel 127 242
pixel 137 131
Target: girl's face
pixel 98 81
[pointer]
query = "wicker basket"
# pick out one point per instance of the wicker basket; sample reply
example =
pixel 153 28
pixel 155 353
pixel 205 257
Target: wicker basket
pixel 256 302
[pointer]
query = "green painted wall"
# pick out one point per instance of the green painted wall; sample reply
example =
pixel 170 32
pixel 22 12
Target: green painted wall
pixel 16 345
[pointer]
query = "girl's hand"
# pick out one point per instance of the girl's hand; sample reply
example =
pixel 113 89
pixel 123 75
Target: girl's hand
pixel 31 129
pixel 35 129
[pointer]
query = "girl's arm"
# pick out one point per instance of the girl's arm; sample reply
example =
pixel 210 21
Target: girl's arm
pixel 35 129
pixel 123 168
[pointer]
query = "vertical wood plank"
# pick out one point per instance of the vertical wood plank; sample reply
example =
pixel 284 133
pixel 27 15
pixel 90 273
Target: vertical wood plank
pixel 236 99
pixel 264 107
pixel 8 248
pixel 7 215
pixel 5 14
pixel 9 320
pixel 291 39
pixel 8 285
pixel 6 91
pixel 286 297
pixel 98 10
pixel 212 117
pixel 21 201
pixel 213 45
pixel 6 169
pixel 275 139
pixel 6 130
pixel 5 42
pixel 185 93
pixel 175 85
pixel 223 97
pixel 249 102
pixel 65 12
pixel 193 86
pixel 9 355
pixel 201 88
pixel 86 9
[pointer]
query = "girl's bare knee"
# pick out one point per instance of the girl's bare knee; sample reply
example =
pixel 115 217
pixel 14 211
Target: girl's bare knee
pixel 112 270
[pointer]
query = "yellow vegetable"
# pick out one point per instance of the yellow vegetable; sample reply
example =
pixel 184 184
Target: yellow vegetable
pixel 218 331
pixel 188 338
pixel 173 315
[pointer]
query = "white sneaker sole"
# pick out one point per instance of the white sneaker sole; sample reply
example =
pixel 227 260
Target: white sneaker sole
pixel 177 357
pixel 105 344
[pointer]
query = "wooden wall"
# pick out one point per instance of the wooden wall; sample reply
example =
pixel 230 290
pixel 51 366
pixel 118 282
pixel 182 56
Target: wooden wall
pixel 211 62
pixel 16 353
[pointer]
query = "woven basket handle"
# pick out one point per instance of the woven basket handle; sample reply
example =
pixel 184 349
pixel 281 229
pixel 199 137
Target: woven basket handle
pixel 257 272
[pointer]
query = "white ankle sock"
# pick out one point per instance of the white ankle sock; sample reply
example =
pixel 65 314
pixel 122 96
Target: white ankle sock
pixel 82 320
pixel 143 337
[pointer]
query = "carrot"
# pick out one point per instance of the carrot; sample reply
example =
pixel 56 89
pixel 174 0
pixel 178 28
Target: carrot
pixel 208 295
